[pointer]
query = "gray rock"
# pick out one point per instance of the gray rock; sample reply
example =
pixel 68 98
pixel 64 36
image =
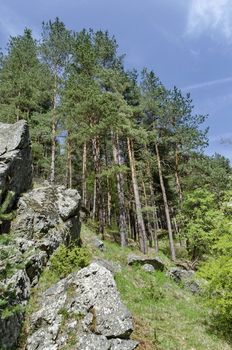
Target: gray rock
pixel 109 265
pixel 121 344
pixel 43 222
pixel 99 294
pixel 93 342
pixel 15 159
pixel 97 243
pixel 148 268
pixel 45 209
pixel 9 330
pixel 95 312
pixel 67 202
pixel 186 277
pixel 156 262
pixel 19 284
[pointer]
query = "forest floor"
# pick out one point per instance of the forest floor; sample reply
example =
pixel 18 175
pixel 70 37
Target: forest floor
pixel 166 316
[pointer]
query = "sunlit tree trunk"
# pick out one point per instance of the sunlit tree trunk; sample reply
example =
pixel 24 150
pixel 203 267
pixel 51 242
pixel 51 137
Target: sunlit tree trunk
pixel 141 226
pixel 166 207
pixel 120 189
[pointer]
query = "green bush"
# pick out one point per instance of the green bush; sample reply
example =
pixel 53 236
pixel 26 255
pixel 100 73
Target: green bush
pixel 218 291
pixel 68 259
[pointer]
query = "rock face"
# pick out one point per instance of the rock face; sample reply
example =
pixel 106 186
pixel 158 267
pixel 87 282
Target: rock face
pixel 15 159
pixel 156 262
pixel 46 217
pixel 83 310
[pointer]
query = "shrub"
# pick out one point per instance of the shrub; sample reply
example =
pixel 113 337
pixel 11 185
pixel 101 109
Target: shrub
pixel 68 259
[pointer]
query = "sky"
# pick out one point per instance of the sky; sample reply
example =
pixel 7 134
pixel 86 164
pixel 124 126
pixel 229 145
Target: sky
pixel 187 43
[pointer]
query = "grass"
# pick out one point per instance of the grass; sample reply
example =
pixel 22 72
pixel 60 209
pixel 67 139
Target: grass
pixel 166 316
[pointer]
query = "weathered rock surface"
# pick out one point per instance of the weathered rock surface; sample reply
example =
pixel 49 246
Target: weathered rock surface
pixel 156 262
pixel 97 243
pixel 113 267
pixel 46 217
pixel 84 309
pixel 148 268
pixel 186 277
pixel 15 159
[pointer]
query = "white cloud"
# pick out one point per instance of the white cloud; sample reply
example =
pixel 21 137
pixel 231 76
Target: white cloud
pixel 211 16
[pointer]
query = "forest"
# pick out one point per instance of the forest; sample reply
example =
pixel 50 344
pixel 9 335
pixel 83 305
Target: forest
pixel 134 149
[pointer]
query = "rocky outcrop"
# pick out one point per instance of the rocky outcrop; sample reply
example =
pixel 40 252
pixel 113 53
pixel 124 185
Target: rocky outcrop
pixel 15 159
pixel 185 277
pixel 156 262
pixel 46 217
pixel 83 310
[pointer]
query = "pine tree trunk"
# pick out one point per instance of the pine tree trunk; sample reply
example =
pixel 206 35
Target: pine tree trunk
pixel 96 162
pixel 69 165
pixel 84 170
pixel 121 196
pixel 108 204
pixel 141 226
pixel 166 207
pixel 53 139
pixel 178 186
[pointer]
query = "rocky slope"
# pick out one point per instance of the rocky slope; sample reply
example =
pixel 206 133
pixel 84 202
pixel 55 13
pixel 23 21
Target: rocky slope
pixel 46 217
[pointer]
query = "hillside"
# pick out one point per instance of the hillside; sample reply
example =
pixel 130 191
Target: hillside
pixel 166 315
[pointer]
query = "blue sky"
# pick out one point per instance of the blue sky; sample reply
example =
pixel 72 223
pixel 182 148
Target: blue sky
pixel 188 43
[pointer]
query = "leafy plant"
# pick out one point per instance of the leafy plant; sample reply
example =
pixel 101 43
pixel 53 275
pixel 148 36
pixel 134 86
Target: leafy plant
pixel 68 259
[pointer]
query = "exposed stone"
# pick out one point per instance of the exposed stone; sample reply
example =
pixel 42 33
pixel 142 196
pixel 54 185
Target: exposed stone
pixel 113 267
pixel 156 262
pixel 186 277
pixel 19 284
pixel 44 221
pixel 93 342
pixel 15 159
pixel 97 318
pixel 97 243
pixel 121 344
pixel 148 268
pixel 9 330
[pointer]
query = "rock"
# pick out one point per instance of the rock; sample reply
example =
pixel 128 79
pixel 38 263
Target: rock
pixel 156 262
pixel 148 268
pixel 19 284
pixel 15 159
pixel 97 243
pixel 87 306
pixel 93 342
pixel 109 265
pixel 9 330
pixel 46 217
pixel 186 277
pixel 120 344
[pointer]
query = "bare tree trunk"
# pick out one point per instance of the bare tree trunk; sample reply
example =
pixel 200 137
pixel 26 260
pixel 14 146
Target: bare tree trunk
pixel 178 186
pixel 84 169
pixel 166 207
pixel 53 139
pixel 141 226
pixel 96 161
pixel 69 164
pixel 108 204
pixel 121 196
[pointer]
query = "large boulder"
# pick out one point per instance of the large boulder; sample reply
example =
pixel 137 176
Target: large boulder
pixel 84 309
pixel 15 159
pixel 156 262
